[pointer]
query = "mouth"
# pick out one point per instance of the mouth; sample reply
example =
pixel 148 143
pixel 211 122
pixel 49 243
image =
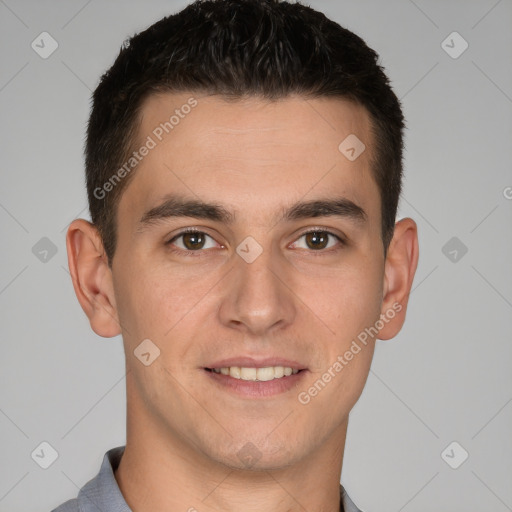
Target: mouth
pixel 262 374
pixel 258 381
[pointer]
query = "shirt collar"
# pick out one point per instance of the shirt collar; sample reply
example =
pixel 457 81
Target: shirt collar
pixel 103 494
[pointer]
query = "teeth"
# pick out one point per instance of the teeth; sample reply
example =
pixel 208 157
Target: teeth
pixel 264 373
pixel 257 374
pixel 278 372
pixel 247 373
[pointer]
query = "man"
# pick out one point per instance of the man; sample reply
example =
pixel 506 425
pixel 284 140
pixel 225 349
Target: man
pixel 244 164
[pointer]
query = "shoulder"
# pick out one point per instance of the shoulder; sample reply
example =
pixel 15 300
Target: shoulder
pixel 101 493
pixel 68 506
pixel 347 505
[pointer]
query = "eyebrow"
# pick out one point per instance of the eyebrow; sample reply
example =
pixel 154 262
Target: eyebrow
pixel 176 206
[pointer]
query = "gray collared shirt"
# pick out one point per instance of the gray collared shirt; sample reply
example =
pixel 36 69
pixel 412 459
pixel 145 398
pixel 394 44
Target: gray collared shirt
pixel 102 494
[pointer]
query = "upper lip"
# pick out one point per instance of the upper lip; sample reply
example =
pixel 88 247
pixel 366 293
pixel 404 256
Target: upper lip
pixel 251 362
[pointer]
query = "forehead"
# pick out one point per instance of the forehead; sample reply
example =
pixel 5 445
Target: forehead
pixel 252 154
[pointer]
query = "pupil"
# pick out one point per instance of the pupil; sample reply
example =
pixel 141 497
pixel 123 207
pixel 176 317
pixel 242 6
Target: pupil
pixel 193 240
pixel 315 238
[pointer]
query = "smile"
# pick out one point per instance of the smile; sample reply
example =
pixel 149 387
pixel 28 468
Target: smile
pixel 256 374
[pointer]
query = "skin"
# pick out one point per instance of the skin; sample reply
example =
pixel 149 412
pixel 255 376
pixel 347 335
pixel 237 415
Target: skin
pixel 295 300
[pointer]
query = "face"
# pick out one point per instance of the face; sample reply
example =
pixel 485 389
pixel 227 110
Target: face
pixel 258 284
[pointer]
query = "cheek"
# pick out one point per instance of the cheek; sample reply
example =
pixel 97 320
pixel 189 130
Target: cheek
pixel 141 301
pixel 346 298
pixel 161 303
pixel 336 384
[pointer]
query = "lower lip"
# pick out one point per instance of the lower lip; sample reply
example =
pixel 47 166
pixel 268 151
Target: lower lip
pixel 256 389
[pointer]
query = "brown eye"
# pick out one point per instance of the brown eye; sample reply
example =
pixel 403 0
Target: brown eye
pixel 191 241
pixel 318 240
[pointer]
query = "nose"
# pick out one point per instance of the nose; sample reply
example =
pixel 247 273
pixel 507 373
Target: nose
pixel 258 296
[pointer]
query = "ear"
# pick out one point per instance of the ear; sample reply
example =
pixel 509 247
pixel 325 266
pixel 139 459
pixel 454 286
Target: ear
pixel 400 267
pixel 92 277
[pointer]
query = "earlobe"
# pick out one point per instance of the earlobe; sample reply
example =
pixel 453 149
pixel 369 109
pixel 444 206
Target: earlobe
pixel 400 267
pixel 92 277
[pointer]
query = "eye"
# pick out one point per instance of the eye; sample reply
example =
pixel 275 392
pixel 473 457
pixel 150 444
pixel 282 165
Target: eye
pixel 318 240
pixel 193 240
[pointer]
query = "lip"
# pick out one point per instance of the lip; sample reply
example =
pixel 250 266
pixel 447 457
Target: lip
pixel 250 362
pixel 255 389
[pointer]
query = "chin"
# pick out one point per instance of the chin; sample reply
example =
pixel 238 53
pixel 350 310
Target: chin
pixel 253 456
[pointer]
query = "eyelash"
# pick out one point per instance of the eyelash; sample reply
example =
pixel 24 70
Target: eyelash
pixel 198 253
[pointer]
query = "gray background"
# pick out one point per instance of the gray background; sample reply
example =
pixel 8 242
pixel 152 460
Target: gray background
pixel 446 377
